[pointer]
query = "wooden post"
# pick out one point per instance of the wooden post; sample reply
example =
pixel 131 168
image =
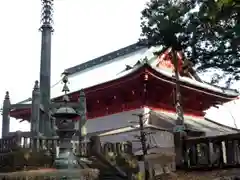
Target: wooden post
pixel 143 141
pixel 95 146
pixel 35 114
pixel 5 115
pixel 179 147
pixel 230 152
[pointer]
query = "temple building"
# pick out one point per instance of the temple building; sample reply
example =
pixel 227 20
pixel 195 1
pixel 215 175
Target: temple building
pixel 132 83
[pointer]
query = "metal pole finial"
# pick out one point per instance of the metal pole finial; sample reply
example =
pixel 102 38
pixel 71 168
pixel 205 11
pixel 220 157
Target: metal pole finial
pixel 36 85
pixel 65 87
pixel 5 115
pixel 47 14
pixel 7 95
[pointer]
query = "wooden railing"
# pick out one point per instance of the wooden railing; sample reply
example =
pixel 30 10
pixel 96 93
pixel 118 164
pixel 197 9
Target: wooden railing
pixel 199 153
pixel 19 151
pixel 212 152
pixel 19 141
pixel 25 141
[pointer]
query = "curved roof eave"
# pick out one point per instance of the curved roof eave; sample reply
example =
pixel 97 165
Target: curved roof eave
pixel 226 93
pixel 232 94
pixel 119 78
pixel 217 89
pixel 198 123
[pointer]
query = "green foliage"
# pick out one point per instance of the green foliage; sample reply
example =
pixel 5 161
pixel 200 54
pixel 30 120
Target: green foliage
pixel 25 159
pixel 164 23
pixel 208 32
pixel 126 162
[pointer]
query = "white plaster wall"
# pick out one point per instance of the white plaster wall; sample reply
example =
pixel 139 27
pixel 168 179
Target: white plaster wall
pixel 217 133
pixel 114 121
pixel 161 139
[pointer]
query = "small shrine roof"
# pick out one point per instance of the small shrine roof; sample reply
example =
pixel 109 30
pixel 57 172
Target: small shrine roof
pixel 162 120
pixel 194 123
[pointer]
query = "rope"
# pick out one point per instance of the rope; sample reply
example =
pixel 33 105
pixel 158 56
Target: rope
pixel 56 83
pixel 29 99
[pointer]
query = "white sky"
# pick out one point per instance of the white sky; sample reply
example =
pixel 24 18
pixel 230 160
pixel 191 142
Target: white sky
pixel 83 30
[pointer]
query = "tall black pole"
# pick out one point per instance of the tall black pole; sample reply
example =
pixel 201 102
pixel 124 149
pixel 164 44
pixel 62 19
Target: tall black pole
pixel 45 69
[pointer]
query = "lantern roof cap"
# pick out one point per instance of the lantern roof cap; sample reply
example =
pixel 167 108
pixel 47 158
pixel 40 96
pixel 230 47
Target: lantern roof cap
pixel 65 109
pixel 65 112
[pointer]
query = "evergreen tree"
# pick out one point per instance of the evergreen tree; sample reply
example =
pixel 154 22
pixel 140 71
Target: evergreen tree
pixel 207 32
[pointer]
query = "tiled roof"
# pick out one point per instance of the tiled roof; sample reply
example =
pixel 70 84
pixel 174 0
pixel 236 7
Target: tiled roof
pixel 211 128
pixel 101 74
pixel 199 84
pixel 100 70
pixel 131 50
pixel 105 58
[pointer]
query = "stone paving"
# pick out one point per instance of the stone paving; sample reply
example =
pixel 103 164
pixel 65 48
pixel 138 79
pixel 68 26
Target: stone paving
pixel 228 174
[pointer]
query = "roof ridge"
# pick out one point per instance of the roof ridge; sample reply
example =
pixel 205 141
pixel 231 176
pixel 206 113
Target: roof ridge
pixel 105 58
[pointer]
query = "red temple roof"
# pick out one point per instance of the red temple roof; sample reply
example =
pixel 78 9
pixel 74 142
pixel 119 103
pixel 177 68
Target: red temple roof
pixel 143 83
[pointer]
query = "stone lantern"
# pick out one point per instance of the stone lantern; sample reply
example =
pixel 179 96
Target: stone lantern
pixel 66 162
pixel 65 129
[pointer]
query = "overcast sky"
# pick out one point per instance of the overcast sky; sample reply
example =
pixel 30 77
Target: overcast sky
pixel 83 30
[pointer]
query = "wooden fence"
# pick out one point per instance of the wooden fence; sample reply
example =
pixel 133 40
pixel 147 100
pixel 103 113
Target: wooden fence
pixel 212 152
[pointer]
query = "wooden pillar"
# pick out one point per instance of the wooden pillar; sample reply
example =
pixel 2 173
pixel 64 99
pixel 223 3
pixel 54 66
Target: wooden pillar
pixel 210 153
pixel 236 144
pixel 179 148
pixel 203 153
pixel 5 115
pixel 230 152
pixel 236 149
pixel 35 115
pixel 194 155
pixel 221 157
pixel 95 145
pixel 217 153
